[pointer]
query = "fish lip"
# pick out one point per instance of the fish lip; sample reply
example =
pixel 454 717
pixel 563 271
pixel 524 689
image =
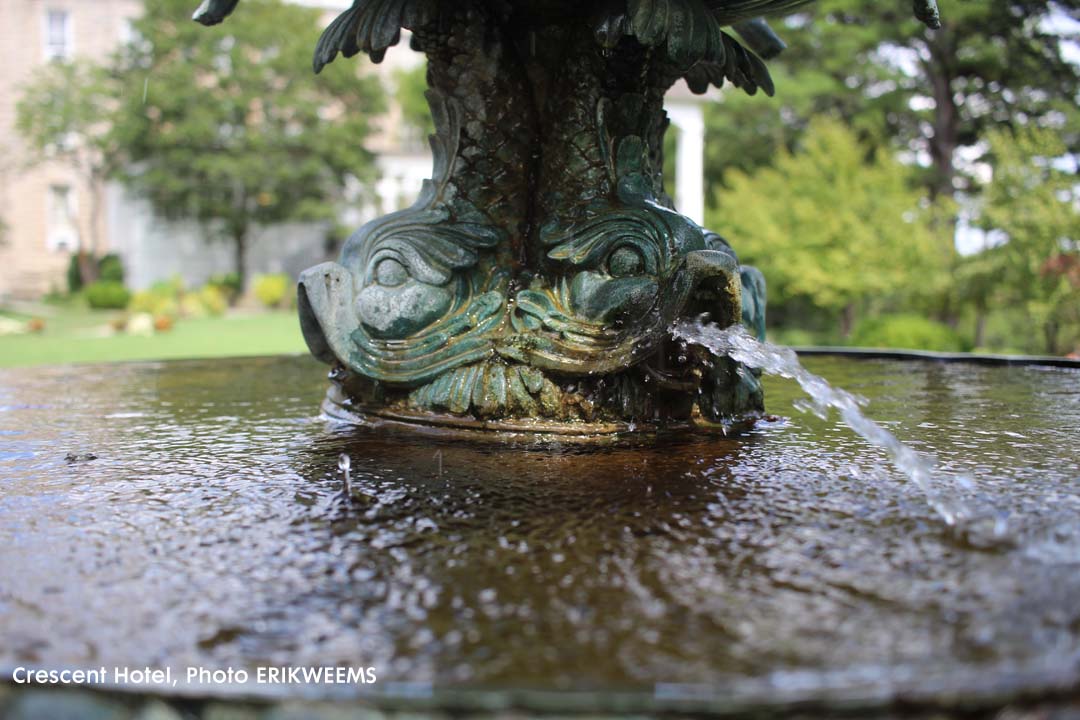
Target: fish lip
pixel 327 319
pixel 716 287
pixel 701 281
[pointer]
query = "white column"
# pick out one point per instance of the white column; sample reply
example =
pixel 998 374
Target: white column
pixel 689 119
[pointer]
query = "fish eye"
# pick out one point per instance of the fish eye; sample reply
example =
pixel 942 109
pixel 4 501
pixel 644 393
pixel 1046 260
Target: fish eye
pixel 624 261
pixel 390 273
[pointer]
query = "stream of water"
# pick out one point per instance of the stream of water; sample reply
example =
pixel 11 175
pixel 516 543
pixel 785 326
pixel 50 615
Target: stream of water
pixel 942 490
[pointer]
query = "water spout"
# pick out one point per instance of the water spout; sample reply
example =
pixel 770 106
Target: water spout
pixel 737 343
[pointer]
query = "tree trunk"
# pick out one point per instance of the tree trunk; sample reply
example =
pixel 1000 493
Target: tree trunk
pixel 943 142
pixel 945 138
pixel 240 242
pixel 88 267
pixel 1050 333
pixel 97 192
pixel 980 326
pixel 847 320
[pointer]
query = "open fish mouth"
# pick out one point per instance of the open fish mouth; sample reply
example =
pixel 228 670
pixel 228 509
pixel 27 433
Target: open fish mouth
pixel 553 334
pixel 335 334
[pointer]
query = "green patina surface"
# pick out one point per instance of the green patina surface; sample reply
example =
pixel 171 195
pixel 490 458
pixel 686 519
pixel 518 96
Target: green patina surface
pixel 538 274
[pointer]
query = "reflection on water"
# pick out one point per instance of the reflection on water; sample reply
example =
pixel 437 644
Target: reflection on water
pixel 210 530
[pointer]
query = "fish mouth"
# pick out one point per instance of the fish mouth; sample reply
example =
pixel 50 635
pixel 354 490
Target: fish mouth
pixel 327 318
pixel 552 336
pixel 334 334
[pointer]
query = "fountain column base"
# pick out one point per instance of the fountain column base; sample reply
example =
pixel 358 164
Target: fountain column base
pixel 339 407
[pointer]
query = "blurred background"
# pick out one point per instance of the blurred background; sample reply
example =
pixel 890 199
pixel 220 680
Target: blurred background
pixel 162 184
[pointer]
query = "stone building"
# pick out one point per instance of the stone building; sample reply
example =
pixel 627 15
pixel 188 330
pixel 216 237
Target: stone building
pixel 46 210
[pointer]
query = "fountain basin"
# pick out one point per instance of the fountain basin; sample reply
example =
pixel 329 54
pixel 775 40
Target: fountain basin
pixel 188 514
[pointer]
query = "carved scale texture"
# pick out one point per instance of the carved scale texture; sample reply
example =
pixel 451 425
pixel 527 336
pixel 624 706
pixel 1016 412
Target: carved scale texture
pixel 491 176
pixel 574 173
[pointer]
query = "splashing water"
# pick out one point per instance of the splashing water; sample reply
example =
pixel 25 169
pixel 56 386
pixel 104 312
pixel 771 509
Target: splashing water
pixel 737 343
pixel 344 464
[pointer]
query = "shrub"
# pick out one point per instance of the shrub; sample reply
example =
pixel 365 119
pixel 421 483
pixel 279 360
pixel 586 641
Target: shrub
pixel 906 331
pixel 207 300
pixel 229 284
pixel 191 306
pixel 74 274
pixel 213 300
pixel 154 303
pixel 172 288
pixel 271 290
pixel 798 337
pixel 103 295
pixel 111 269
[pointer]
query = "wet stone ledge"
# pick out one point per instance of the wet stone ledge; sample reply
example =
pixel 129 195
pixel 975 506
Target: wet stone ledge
pixel 37 703
pixel 79 704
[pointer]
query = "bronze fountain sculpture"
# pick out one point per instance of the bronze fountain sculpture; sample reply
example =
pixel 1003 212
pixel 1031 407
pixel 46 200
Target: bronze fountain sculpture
pixel 533 284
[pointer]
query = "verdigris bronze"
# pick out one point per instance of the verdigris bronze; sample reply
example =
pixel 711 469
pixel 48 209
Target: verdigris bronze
pixel 533 283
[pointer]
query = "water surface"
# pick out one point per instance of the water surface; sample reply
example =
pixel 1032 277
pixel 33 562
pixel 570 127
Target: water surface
pixel 793 562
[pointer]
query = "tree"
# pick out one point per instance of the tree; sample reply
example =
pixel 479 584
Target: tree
pixel 224 124
pixel 933 92
pixel 835 224
pixel 1033 202
pixel 63 115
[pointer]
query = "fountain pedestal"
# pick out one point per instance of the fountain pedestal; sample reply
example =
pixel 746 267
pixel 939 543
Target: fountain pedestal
pixel 535 281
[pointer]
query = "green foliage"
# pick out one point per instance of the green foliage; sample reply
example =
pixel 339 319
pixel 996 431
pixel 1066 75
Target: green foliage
pixel 170 299
pixel 74 274
pixel 1033 203
pixel 836 224
pixel 213 300
pixel 107 295
pixel 231 285
pixel 171 288
pixel 994 67
pixel 111 268
pixel 154 303
pixel 63 114
pixel 899 84
pixel 162 299
pixel 906 331
pixel 226 124
pixel 209 300
pixel 271 290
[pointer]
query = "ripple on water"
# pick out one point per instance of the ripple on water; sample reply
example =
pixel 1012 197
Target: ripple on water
pixel 210 530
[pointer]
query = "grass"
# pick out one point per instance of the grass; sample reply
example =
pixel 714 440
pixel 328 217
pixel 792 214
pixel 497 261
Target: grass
pixel 76 335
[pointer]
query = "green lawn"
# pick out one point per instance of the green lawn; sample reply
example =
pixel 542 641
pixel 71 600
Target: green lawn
pixel 74 335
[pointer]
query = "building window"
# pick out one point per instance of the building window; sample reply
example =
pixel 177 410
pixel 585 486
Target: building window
pixel 61 234
pixel 57 35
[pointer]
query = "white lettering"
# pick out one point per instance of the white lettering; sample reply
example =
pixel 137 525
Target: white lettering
pixel 216 676
pixel 325 674
pixel 23 676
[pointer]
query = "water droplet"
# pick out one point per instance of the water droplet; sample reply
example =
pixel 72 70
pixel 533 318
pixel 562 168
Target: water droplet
pixel 344 463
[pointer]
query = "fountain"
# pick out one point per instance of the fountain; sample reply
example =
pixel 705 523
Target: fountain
pixel 188 545
pixel 533 284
